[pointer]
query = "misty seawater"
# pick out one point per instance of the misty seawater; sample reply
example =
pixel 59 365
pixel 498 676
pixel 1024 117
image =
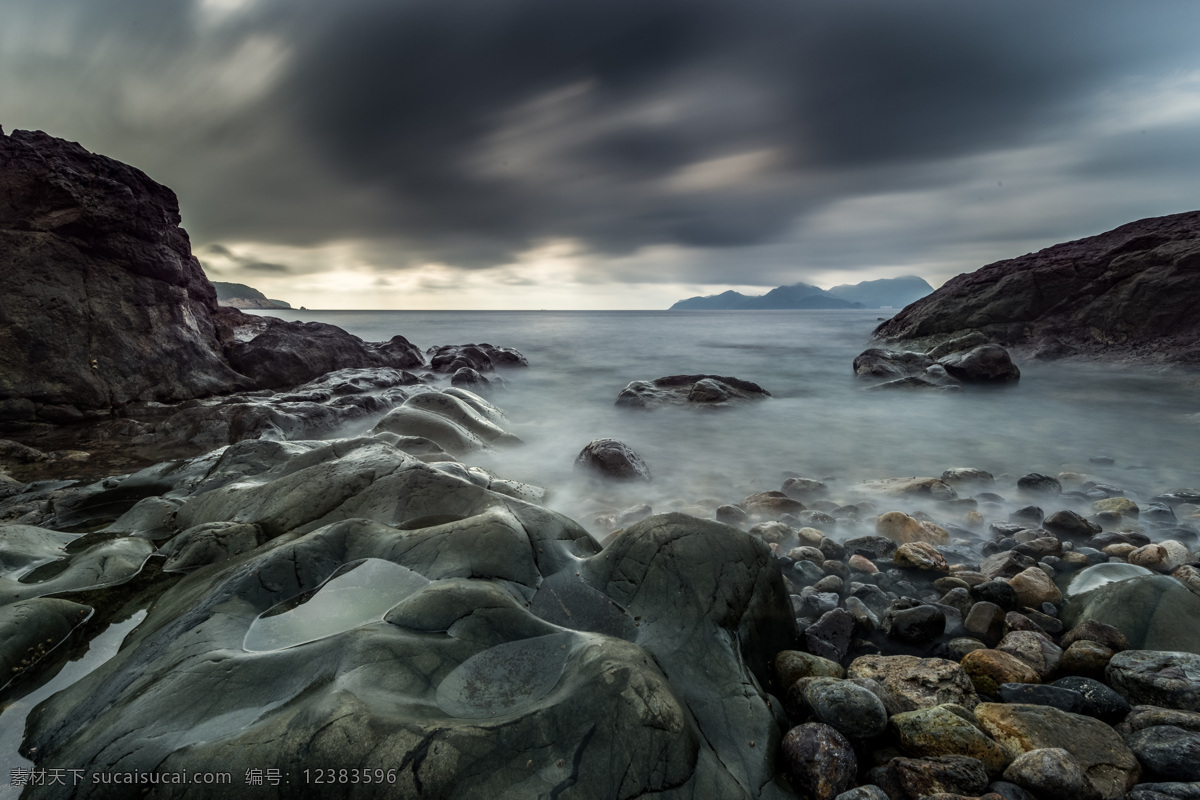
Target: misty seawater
pixel 820 422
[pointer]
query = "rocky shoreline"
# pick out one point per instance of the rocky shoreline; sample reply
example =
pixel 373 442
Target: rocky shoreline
pixel 1020 637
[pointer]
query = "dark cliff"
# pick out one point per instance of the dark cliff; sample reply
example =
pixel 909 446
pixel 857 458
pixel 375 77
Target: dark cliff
pixel 1129 293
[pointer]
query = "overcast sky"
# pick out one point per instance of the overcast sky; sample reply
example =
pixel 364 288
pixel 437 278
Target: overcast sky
pixel 618 153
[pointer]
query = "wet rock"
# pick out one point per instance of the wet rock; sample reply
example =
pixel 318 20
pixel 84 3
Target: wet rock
pixel 29 629
pixel 281 355
pixel 997 592
pixel 903 529
pixel 874 548
pixel 1035 649
pixel 1085 659
pixel 708 391
pixel 1050 772
pixel 1168 753
pixel 932 488
pixel 985 620
pixel 917 625
pixel 483 357
pixel 889 364
pixel 732 515
pixel 988 669
pixel 1099 751
pixel 920 556
pixel 851 709
pixel 1162 557
pixel 865 792
pixel 1151 611
pixel 1095 699
pixel 921 777
pixel 1093 631
pixel 210 543
pixel 947 730
pixel 1165 791
pixel 1116 505
pixel 609 458
pixel 1155 677
pixel 819 761
pixel 792 665
pixel 803 488
pixel 1007 564
pixel 1039 695
pixel 988 363
pixel 1069 523
pixel 830 636
pixel 910 682
pixel 1037 483
pixel 184 693
pixel 771 504
pixel 1034 587
pixel 967 475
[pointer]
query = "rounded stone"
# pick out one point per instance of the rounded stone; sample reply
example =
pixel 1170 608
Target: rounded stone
pixel 1168 753
pixel 852 709
pixel 1050 772
pixel 988 669
pixel 819 761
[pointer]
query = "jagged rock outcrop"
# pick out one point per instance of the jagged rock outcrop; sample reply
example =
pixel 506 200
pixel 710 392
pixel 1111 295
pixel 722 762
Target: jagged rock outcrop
pixel 1128 293
pixel 102 302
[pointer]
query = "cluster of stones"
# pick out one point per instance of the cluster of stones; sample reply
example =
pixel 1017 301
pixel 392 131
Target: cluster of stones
pixel 970 359
pixel 466 363
pixel 1035 655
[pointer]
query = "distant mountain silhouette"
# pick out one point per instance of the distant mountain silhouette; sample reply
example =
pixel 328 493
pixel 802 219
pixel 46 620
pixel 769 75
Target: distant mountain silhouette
pixel 894 292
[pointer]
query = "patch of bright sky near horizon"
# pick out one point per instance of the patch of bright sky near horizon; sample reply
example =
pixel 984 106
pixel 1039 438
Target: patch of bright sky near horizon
pixel 639 169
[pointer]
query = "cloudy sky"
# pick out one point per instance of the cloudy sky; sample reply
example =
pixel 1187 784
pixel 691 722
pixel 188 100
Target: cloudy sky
pixel 618 153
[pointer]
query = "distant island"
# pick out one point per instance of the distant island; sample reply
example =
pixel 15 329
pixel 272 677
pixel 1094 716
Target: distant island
pixel 883 293
pixel 239 295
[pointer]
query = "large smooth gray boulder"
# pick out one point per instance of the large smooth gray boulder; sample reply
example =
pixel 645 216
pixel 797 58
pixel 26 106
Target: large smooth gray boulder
pixel 403 614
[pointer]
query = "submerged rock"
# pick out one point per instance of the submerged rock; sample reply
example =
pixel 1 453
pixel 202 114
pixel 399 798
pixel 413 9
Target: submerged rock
pixel 609 458
pixel 707 391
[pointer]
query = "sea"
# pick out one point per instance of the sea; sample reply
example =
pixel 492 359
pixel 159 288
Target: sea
pixel 820 422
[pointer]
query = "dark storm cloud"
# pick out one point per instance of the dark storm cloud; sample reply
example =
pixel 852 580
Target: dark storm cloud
pixel 464 131
pixel 405 97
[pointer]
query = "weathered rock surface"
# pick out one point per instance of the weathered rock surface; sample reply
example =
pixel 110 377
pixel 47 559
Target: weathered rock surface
pixel 1127 292
pixel 103 301
pixel 280 355
pixel 701 391
pixel 609 458
pixel 1099 751
pixel 495 650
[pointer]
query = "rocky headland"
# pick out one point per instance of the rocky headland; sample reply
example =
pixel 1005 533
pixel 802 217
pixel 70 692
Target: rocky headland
pixel 239 295
pixel 315 604
pixel 1130 293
